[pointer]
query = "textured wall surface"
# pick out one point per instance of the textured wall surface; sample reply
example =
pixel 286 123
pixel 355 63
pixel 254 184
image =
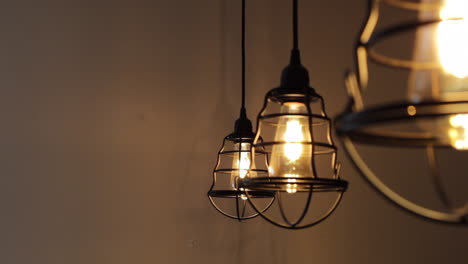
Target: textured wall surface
pixel 112 113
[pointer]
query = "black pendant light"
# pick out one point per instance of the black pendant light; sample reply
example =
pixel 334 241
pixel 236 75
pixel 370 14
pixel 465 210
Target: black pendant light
pixel 294 130
pixel 432 111
pixel 235 160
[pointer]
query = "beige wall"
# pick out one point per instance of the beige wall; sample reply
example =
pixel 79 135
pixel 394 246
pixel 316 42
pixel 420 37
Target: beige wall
pixel 112 113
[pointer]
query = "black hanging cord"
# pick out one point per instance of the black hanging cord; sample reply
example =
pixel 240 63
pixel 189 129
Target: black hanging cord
pixel 243 126
pixel 295 55
pixel 295 76
pixel 295 26
pixel 243 56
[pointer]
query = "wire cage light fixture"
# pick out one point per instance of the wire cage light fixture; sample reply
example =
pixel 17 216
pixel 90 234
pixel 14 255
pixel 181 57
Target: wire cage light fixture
pixel 235 160
pixel 434 113
pixel 295 132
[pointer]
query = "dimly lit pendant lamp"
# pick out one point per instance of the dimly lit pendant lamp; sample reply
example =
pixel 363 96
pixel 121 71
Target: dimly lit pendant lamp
pixel 431 111
pixel 296 133
pixel 234 161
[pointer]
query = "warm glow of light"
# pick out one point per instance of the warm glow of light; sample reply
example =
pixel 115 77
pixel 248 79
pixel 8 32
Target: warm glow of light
pixel 243 196
pixel 452 38
pixel 458 132
pixel 291 188
pixel 292 157
pixel 411 110
pixel 293 134
pixel 244 164
pixel 452 42
pixel 241 164
pixel 241 160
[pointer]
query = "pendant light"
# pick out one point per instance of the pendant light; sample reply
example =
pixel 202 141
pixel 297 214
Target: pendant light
pixel 432 112
pixel 296 133
pixel 235 160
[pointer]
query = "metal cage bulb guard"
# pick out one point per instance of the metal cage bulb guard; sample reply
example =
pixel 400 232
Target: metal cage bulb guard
pixel 295 114
pixel 242 135
pixel 309 184
pixel 233 156
pixel 357 124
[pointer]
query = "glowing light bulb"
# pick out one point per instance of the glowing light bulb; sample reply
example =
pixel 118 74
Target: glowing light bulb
pixel 241 164
pixel 458 132
pixel 446 43
pixel 293 134
pixel 292 158
pixel 291 187
pixel 244 164
pixel 452 41
pixel 452 38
